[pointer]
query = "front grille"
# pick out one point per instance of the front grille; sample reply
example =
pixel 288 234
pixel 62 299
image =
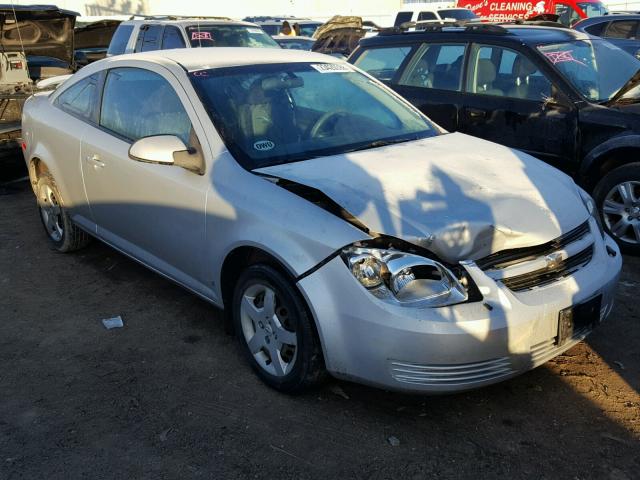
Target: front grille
pixel 466 374
pixel 512 256
pixel 544 276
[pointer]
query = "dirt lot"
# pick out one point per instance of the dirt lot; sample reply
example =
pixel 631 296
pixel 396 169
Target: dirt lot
pixel 168 395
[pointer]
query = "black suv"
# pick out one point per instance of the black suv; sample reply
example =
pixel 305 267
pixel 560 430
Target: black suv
pixel 563 96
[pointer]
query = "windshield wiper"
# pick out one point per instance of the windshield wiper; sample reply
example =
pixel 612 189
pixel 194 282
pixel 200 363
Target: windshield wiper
pixel 380 143
pixel 631 83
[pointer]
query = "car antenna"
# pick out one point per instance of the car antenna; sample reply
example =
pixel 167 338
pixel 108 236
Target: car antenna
pixel 15 17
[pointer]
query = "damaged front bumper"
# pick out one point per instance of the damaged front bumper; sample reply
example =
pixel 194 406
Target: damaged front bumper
pixel 452 348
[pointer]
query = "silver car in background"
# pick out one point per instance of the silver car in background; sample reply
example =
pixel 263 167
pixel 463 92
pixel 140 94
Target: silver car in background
pixel 339 228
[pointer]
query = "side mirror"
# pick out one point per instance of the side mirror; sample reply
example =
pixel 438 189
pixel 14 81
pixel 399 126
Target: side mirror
pixel 157 149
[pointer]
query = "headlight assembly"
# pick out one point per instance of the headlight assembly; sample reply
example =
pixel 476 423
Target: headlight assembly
pixel 591 207
pixel 404 278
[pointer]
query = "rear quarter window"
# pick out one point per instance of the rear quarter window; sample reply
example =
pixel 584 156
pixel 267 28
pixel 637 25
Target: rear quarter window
pixel 119 40
pixel 382 63
pixel 80 99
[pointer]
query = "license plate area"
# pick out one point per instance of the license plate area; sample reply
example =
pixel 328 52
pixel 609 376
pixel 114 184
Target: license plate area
pixel 577 317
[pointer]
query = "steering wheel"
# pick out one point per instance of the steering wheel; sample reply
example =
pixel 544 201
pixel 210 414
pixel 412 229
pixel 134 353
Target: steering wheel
pixel 324 120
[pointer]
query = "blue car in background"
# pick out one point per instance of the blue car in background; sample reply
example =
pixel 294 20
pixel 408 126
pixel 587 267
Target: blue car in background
pixel 621 30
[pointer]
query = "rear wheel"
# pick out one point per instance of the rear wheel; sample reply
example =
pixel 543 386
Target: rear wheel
pixel 275 331
pixel 618 199
pixel 63 235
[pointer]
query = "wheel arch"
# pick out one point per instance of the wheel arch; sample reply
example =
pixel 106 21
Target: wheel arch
pixel 236 260
pixel 608 156
pixel 242 257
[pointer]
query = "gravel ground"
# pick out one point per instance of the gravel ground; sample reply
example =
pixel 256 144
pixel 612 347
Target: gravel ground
pixel 169 396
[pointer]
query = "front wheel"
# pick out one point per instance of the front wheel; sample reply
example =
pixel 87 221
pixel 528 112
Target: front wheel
pixel 275 330
pixel 618 199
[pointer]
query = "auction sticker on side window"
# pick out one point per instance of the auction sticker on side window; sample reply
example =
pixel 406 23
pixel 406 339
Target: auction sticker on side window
pixel 331 68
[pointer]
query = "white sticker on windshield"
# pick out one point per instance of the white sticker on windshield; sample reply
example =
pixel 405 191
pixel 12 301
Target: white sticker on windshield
pixel 254 30
pixel 264 145
pixel 332 67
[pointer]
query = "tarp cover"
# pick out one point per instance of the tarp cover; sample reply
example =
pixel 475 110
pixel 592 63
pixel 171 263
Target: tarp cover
pixel 337 22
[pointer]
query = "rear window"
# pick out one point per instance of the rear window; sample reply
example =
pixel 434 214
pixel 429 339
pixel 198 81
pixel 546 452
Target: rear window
pixel 229 36
pixel 120 39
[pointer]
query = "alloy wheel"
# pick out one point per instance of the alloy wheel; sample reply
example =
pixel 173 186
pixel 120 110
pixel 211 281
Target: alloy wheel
pixel 621 211
pixel 268 330
pixel 51 213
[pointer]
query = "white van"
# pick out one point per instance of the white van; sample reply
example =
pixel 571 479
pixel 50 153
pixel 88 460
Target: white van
pixel 436 11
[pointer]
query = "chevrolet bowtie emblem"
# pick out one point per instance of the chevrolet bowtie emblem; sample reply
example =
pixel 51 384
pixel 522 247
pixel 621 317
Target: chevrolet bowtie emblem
pixel 553 260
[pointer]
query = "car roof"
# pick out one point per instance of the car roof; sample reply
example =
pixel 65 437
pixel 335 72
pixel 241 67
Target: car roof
pixel 608 18
pixel 280 21
pixel 527 34
pixel 193 59
pixel 190 21
pixel 291 37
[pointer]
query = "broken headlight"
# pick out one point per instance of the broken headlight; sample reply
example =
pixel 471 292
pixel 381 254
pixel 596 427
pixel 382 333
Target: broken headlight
pixel 404 278
pixel 590 205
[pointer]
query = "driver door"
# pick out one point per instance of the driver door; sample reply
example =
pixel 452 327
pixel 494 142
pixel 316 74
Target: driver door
pixel 152 212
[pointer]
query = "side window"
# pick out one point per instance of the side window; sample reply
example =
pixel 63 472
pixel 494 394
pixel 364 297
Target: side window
pixel 596 29
pixel 148 38
pixel 435 66
pixel 172 38
pixel 506 73
pixel 626 29
pixel 427 16
pixel 80 99
pixel 382 63
pixel 567 14
pixel 138 103
pixel 119 40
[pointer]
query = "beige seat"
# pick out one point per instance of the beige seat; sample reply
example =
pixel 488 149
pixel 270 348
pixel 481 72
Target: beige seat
pixel 521 70
pixel 255 116
pixel 485 76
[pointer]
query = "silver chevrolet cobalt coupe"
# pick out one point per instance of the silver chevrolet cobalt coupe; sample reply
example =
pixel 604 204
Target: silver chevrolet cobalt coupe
pixel 339 228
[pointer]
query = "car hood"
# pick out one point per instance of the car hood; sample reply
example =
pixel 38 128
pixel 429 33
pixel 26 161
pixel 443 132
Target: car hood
pixel 461 197
pixel 42 30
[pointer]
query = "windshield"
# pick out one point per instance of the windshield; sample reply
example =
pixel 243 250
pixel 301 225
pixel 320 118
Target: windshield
pixel 279 113
pixel 596 68
pixel 593 9
pixel 308 29
pixel 229 36
pixel 457 14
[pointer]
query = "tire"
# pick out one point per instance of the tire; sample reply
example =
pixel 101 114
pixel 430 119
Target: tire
pixel 261 335
pixel 621 216
pixel 64 236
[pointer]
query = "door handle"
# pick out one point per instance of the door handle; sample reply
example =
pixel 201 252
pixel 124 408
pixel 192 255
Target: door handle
pixel 95 161
pixel 476 113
